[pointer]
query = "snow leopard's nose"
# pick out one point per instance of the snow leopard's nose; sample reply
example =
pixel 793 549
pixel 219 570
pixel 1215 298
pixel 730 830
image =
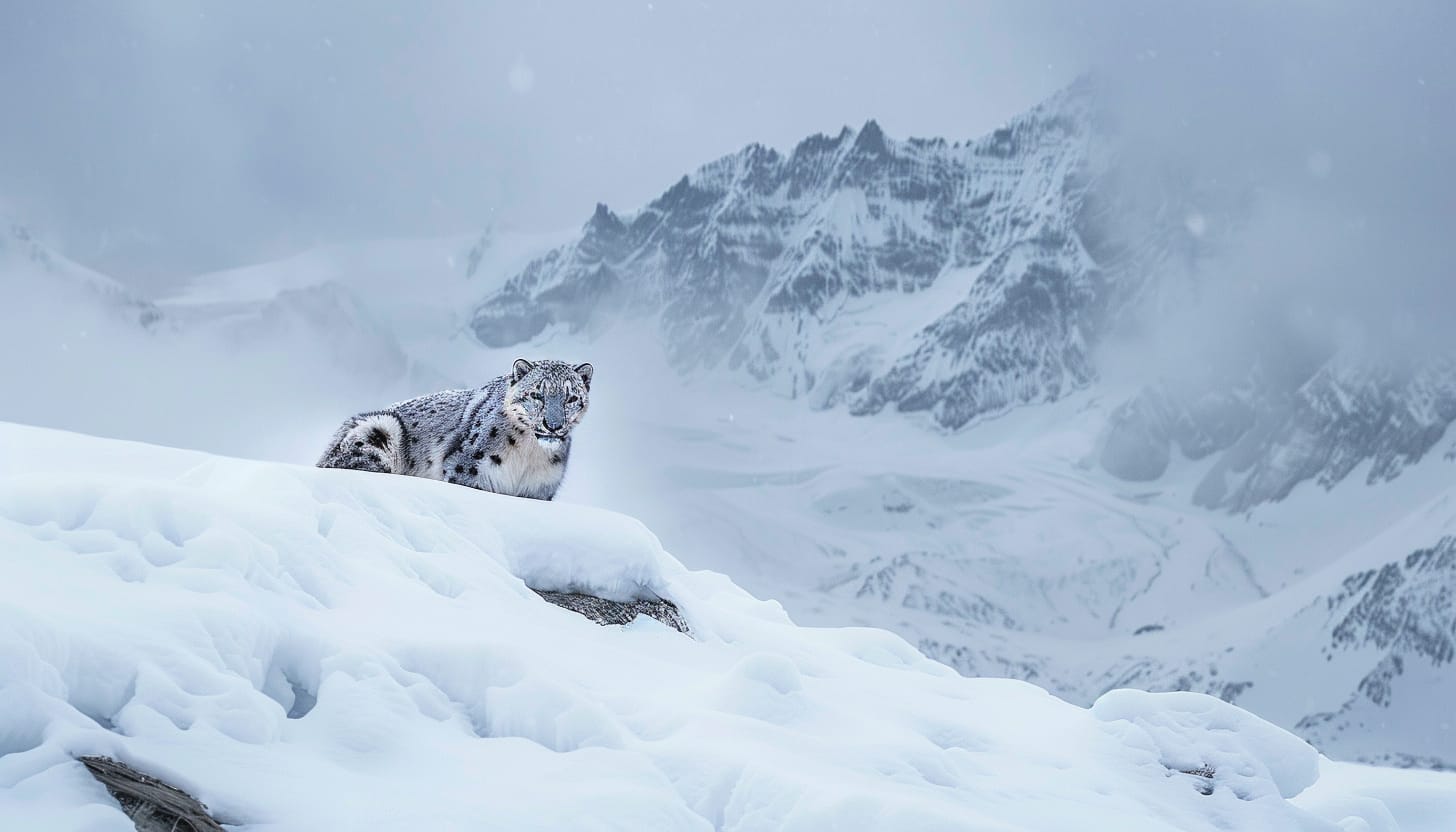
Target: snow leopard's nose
pixel 553 418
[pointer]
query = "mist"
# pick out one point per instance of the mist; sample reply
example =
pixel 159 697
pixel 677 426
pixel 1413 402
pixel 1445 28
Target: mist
pixel 1313 140
pixel 162 138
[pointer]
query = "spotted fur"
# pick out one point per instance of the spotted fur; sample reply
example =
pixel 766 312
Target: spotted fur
pixel 512 436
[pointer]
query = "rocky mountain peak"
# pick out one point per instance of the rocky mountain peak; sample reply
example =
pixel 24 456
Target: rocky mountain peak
pixel 871 139
pixel 745 262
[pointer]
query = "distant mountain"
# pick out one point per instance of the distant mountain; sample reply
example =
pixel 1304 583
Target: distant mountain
pixel 1343 414
pixel 954 279
pixel 1357 662
pixel 32 272
pixel 375 305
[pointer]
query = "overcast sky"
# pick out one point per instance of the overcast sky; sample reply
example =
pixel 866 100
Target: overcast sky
pixel 157 138
pixel 153 139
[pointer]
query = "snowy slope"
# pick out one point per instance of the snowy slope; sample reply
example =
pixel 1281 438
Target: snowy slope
pixel 418 289
pixel 1002 553
pixel 311 339
pixel 1356 657
pixel 33 274
pixel 310 649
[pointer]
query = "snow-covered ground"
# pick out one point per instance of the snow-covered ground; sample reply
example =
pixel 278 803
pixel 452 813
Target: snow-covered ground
pixel 317 649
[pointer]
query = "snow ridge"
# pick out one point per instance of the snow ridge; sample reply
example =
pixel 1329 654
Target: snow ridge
pixel 306 649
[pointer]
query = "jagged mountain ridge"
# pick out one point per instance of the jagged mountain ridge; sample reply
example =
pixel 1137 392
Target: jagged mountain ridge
pixel 966 261
pixel 1269 436
pixel 1405 612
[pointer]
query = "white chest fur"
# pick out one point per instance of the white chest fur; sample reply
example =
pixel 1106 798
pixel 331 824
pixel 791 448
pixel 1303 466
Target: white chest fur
pixel 525 470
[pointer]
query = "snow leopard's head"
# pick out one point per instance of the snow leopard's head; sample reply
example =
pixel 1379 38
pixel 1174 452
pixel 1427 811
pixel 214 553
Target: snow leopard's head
pixel 548 397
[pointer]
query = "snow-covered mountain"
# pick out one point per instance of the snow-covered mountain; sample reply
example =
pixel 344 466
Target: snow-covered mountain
pixel 420 289
pixel 1267 437
pixel 306 649
pixel 1368 641
pixel 923 275
pixel 32 273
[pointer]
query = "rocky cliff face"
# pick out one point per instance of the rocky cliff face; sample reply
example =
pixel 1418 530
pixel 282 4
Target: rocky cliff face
pixel 1268 436
pixel 1402 617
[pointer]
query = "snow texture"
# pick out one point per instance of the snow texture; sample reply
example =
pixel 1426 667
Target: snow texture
pixel 303 649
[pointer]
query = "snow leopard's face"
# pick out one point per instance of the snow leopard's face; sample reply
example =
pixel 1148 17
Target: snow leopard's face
pixel 548 397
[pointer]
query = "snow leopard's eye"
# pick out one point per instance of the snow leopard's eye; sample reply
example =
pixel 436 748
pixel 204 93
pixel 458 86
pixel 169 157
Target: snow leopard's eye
pixel 574 401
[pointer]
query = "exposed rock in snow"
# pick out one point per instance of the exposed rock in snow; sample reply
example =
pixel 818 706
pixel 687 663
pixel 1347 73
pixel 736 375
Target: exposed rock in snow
pixel 153 806
pixel 606 612
pixel 1195 733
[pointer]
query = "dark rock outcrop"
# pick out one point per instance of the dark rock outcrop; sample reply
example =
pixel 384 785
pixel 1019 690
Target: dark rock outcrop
pixel 606 612
pixel 152 805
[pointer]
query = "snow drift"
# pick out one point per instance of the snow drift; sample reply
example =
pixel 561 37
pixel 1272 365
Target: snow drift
pixel 310 649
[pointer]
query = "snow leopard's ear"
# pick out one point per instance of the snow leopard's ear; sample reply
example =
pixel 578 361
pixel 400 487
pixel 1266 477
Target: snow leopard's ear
pixel 585 371
pixel 519 369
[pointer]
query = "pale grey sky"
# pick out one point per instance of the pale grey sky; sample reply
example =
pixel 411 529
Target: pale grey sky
pixel 163 137
pixel 156 138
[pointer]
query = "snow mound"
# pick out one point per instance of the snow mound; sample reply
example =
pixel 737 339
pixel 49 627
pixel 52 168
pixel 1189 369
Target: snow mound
pixel 1189 731
pixel 310 649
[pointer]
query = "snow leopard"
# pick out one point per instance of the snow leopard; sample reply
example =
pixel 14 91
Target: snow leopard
pixel 511 436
